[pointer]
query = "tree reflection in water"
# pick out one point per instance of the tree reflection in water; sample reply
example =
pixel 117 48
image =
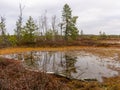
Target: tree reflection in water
pixel 72 64
pixel 49 61
pixel 31 60
pixel 69 65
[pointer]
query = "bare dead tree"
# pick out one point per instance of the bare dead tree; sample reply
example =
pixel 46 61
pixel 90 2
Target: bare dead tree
pixel 40 26
pixel 19 23
pixel 53 23
pixel 54 26
pixel 61 29
pixel 43 24
pixel 45 21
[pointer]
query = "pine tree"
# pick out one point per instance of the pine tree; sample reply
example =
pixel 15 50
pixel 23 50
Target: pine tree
pixel 2 26
pixel 70 30
pixel 28 32
pixel 4 38
pixel 18 29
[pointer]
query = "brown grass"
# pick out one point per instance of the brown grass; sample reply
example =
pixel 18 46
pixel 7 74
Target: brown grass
pixel 14 77
pixel 25 49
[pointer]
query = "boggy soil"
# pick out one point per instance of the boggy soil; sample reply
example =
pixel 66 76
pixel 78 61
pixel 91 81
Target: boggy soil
pixel 13 76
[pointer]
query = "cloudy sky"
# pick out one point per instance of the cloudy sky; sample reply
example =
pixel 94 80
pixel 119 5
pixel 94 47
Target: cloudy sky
pixel 94 15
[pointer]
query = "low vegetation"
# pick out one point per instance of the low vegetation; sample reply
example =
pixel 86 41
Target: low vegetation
pixel 14 76
pixel 59 36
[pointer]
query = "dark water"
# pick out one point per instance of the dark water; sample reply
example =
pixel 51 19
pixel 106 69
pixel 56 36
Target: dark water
pixel 71 64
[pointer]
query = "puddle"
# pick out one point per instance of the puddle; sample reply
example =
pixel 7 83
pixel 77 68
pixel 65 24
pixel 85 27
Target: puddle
pixel 71 64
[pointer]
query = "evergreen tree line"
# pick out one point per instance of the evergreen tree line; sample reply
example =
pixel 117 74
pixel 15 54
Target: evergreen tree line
pixel 31 33
pixel 41 34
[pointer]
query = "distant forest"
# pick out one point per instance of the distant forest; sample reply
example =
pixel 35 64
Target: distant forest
pixel 58 34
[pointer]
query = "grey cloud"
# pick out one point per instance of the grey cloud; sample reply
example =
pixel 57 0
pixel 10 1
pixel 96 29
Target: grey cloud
pixel 94 15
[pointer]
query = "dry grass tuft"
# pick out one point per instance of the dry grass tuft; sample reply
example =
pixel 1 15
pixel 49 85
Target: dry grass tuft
pixel 67 48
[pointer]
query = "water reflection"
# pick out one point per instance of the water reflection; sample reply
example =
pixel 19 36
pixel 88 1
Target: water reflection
pixel 69 65
pixel 72 64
